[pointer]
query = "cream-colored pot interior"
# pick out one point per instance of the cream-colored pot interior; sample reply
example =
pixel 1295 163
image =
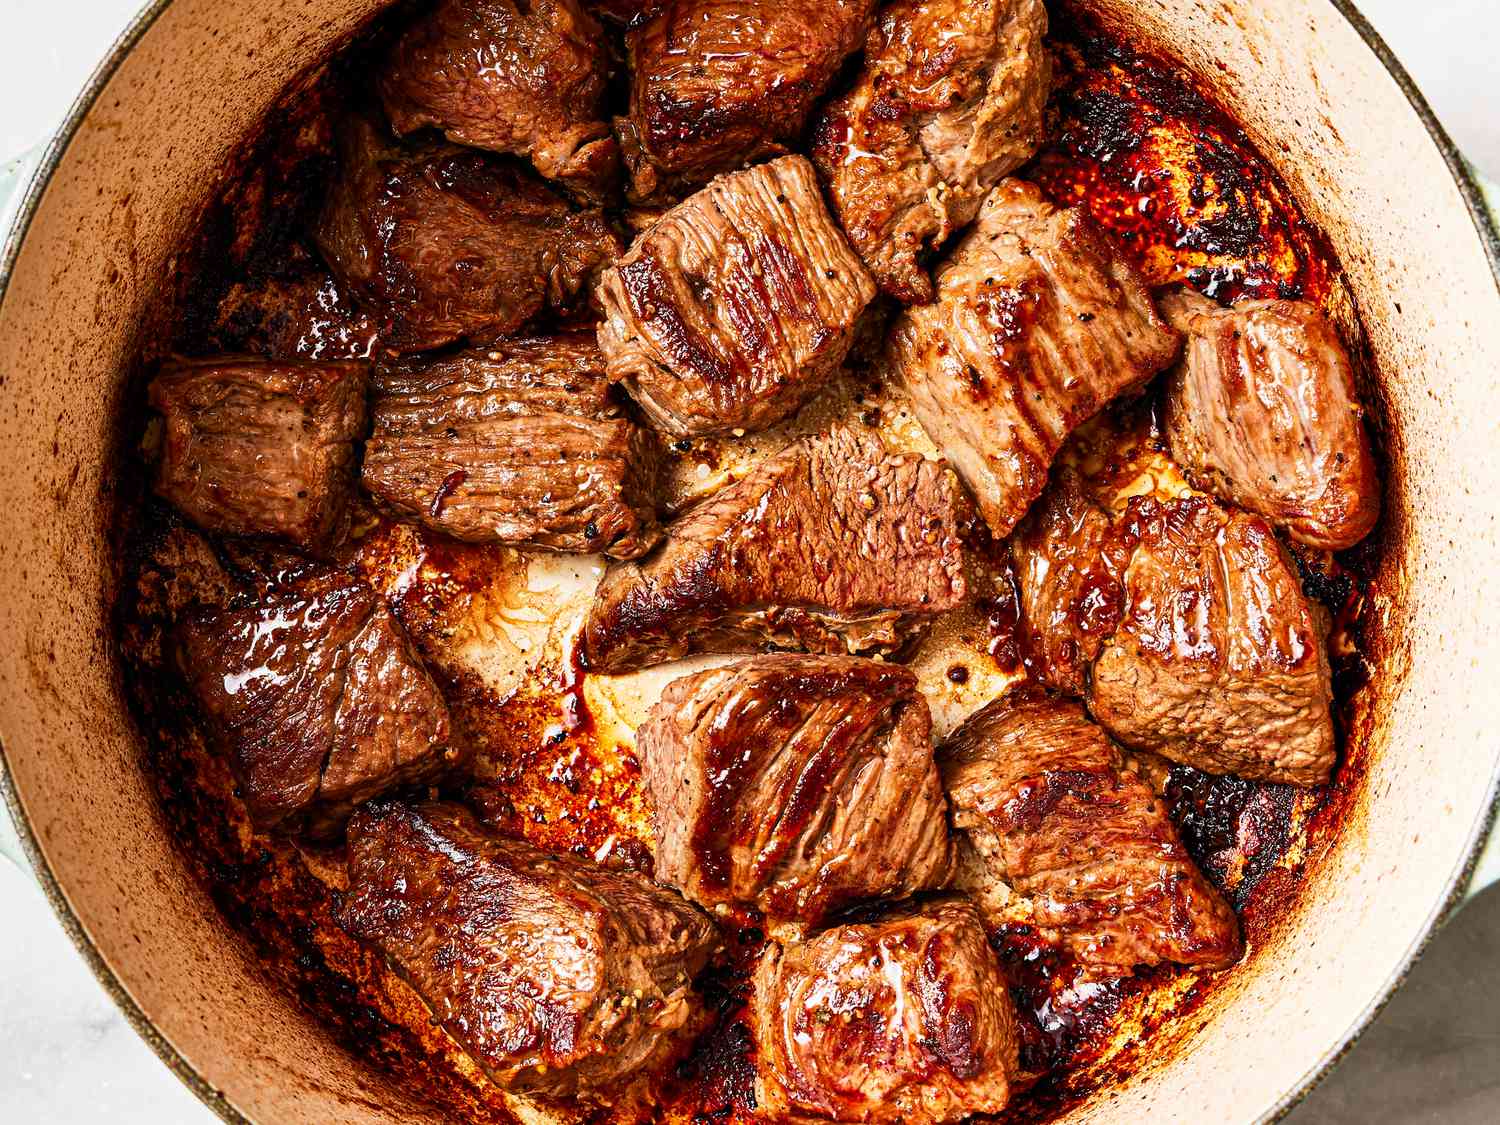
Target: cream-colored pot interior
pixel 147 152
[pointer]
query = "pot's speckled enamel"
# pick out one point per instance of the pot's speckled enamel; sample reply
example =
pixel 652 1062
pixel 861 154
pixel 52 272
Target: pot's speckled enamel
pixel 191 79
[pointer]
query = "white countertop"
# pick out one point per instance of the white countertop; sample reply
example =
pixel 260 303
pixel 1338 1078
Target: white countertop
pixel 66 1055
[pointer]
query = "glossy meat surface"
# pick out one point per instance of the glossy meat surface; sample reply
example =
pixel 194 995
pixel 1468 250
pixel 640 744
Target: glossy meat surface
pixel 259 448
pixel 950 100
pixel 525 78
pixel 518 442
pixel 904 1020
pixel 1058 834
pixel 556 976
pixel 833 546
pixel 795 784
pixel 1262 412
pixel 1038 324
pixel 736 305
pixel 317 700
pixel 445 245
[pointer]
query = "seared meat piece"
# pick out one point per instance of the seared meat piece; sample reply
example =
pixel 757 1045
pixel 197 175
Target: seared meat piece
pixel 1069 554
pixel 951 99
pixel 831 546
pixel 716 84
pixel 795 784
pixel 317 700
pixel 1058 834
pixel 1262 411
pixel 906 1020
pixel 736 305
pixel 527 78
pixel 1219 660
pixel 445 244
pixel 517 443
pixel 257 448
pixel 301 315
pixel 1038 324
pixel 556 976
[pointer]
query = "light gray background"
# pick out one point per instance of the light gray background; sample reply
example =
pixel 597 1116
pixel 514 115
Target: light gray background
pixel 66 1055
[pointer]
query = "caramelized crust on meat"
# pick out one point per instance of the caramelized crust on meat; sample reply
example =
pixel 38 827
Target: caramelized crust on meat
pixel 257 448
pixel 736 305
pixel 795 784
pixel 516 443
pixel 832 546
pixel 1059 835
pixel 527 78
pixel 556 976
pixel 716 84
pixel 905 1020
pixel 1037 326
pixel 951 99
pixel 1219 659
pixel 1262 411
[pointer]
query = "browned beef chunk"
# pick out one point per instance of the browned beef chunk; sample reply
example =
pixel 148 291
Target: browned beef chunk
pixel 736 305
pixel 718 83
pixel 950 100
pixel 527 78
pixel 317 700
pixel 257 448
pixel 1037 325
pixel 516 443
pixel 445 244
pixel 832 546
pixel 905 1020
pixel 1059 835
pixel 302 315
pixel 796 785
pixel 1262 411
pixel 556 976
pixel 1219 659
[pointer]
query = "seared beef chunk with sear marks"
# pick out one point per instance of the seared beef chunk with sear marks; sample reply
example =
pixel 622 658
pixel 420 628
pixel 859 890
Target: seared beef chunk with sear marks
pixel 257 448
pixel 516 443
pixel 1058 834
pixel 300 315
pixel 951 99
pixel 795 784
pixel 716 84
pixel 317 700
pixel 1219 659
pixel 1262 411
pixel 1038 324
pixel 556 976
pixel 831 546
pixel 526 78
pixel 904 1020
pixel 446 245
pixel 735 306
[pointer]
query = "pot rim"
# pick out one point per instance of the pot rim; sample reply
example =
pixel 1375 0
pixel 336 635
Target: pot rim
pixel 1485 225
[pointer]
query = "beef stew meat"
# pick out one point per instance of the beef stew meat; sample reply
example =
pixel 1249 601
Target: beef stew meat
pixel 317 700
pixel 303 314
pixel 951 99
pixel 903 1020
pixel 556 976
pixel 735 306
pixel 523 78
pixel 251 447
pixel 832 546
pixel 1058 834
pixel 1219 661
pixel 1038 324
pixel 796 785
pixel 519 442
pixel 1262 412
pixel 444 244
pixel 717 84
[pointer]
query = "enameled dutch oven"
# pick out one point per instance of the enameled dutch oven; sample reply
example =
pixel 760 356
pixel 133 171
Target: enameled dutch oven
pixel 94 239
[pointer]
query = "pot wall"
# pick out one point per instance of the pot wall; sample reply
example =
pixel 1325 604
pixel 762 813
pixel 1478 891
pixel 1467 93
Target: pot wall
pixel 1322 107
